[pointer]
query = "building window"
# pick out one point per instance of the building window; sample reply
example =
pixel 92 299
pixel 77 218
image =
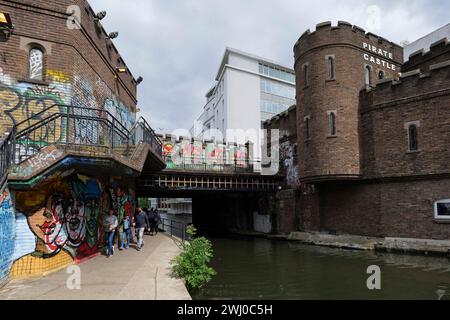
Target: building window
pixel 368 76
pixel 380 75
pixel 307 128
pixel 36 64
pixel 412 137
pixel 330 65
pixel 332 123
pixel 306 75
pixel 442 210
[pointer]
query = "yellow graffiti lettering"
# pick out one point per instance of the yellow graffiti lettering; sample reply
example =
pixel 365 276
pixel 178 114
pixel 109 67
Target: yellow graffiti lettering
pixel 58 76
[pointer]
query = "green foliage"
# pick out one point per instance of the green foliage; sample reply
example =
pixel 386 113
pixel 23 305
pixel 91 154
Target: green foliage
pixel 192 264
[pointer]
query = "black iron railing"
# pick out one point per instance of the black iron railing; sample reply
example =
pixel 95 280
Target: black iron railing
pixel 143 132
pixel 175 228
pixel 6 155
pixel 69 127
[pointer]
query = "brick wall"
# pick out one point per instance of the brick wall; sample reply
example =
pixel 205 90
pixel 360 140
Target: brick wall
pixel 286 123
pixel 80 64
pixel 386 111
pixel 324 155
pixel 390 209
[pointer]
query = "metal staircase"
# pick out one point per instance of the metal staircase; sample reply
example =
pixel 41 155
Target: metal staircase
pixel 73 128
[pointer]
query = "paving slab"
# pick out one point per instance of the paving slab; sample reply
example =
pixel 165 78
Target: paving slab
pixel 128 275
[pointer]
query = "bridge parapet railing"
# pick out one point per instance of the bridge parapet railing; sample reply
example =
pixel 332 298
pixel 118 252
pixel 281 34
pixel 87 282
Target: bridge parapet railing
pixel 142 131
pixel 75 128
pixel 210 164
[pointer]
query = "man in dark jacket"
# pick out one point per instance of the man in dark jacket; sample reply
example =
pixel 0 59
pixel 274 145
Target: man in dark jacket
pixel 150 216
pixel 156 221
pixel 141 221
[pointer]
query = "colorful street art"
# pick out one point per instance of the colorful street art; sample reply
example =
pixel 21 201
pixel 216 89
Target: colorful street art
pixel 23 103
pixel 6 234
pixel 287 154
pixel 198 154
pixel 64 219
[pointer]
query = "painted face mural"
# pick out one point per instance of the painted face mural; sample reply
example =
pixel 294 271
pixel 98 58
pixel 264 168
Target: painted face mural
pixel 92 212
pixel 75 222
pixel 48 224
pixel 75 214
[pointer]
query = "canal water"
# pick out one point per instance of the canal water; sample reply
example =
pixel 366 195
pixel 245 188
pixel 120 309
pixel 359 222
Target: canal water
pixel 265 269
pixel 253 268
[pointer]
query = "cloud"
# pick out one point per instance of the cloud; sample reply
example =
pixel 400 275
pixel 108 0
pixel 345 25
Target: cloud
pixel 177 45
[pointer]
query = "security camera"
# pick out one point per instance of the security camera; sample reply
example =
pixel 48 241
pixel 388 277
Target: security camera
pixel 113 35
pixel 139 80
pixel 101 15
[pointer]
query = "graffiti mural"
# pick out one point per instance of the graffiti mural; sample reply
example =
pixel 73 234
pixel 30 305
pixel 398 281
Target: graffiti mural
pixel 288 157
pixel 65 218
pixel 120 112
pixel 24 103
pixel 198 153
pixel 6 234
pixel 21 104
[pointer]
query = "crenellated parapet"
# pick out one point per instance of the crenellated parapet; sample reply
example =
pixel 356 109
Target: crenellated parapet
pixel 347 34
pixel 439 52
pixel 413 84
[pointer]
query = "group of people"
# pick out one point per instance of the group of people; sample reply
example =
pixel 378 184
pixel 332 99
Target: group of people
pixel 145 219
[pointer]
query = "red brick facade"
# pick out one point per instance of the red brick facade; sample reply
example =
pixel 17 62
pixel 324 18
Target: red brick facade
pixel 80 63
pixel 365 179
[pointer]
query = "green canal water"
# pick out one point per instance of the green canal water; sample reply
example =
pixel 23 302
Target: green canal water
pixel 265 269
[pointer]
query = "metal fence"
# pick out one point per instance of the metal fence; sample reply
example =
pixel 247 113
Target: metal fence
pixel 68 127
pixel 175 228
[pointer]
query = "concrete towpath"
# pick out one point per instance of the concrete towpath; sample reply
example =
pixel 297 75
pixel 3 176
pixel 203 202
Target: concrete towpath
pixel 128 275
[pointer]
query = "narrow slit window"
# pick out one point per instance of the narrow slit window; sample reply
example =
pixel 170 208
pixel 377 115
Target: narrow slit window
pixel 306 74
pixel 330 68
pixel 368 76
pixel 307 128
pixel 413 141
pixel 332 123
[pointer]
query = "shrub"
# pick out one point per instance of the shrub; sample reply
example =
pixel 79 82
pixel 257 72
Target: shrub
pixel 192 264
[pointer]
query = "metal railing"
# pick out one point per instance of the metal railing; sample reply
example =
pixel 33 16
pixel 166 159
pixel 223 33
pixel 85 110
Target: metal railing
pixel 143 132
pixel 6 154
pixel 175 228
pixel 71 127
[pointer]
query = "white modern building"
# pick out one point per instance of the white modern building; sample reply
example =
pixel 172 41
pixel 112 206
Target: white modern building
pixel 425 42
pixel 247 91
pixel 178 206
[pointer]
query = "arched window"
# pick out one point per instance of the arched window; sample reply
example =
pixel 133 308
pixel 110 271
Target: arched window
pixel 36 64
pixel 306 74
pixel 380 75
pixel 412 134
pixel 368 76
pixel 330 61
pixel 332 123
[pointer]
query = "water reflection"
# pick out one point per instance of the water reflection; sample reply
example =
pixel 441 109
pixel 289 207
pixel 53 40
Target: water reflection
pixel 265 269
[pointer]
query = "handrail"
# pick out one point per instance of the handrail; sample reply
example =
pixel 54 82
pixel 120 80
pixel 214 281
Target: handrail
pixel 37 115
pixel 177 226
pixel 98 128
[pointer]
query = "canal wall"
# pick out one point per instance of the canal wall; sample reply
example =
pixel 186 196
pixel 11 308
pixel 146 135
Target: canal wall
pixel 398 245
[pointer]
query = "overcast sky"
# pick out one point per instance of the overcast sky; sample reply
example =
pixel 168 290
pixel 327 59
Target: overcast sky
pixel 177 45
